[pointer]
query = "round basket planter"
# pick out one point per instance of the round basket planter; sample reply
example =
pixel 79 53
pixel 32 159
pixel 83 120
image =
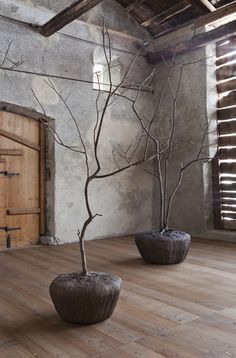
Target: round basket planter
pixel 169 247
pixel 87 298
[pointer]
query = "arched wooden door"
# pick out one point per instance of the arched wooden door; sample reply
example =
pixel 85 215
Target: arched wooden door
pixel 21 149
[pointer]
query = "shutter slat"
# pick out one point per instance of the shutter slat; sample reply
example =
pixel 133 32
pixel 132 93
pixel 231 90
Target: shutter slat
pixel 230 225
pixel 227 154
pixel 225 42
pixel 228 207
pixel 228 168
pixel 228 100
pixel 228 195
pixel 227 48
pixel 229 215
pixel 227 200
pixel 228 187
pixel 226 113
pixel 227 127
pixel 228 178
pixel 227 86
pixel 225 60
pixel 226 72
pixel 227 141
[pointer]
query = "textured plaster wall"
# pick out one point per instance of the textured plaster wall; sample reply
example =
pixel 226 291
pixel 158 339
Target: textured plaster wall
pixel 188 206
pixel 125 201
pixel 196 108
pixel 129 202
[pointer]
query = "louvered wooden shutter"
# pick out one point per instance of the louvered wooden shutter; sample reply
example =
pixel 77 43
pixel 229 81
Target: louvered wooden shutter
pixel 224 166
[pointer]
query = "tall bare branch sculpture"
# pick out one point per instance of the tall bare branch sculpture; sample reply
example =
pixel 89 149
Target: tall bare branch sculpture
pixel 89 297
pixel 164 142
pixel 134 156
pixel 165 245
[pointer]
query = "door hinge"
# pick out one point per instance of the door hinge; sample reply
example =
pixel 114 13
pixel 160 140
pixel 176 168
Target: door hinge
pixel 9 241
pixel 7 229
pixel 8 174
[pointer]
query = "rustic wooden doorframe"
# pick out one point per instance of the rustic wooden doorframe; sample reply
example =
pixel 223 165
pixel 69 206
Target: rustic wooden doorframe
pixel 34 115
pixel 42 182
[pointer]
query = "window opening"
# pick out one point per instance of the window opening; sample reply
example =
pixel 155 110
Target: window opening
pixel 224 166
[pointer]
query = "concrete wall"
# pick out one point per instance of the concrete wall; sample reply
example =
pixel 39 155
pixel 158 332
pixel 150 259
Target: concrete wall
pixel 129 202
pixel 191 116
pixel 125 201
pixel 192 209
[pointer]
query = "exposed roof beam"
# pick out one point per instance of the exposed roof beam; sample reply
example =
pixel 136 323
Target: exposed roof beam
pixel 216 15
pixel 67 15
pixel 197 41
pixel 203 20
pixel 165 15
pixel 135 4
pixel 203 4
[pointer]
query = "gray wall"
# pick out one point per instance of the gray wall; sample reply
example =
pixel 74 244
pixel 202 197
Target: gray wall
pixel 125 201
pixel 128 202
pixel 192 209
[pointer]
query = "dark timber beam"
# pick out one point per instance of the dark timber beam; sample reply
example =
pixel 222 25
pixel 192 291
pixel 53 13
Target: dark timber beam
pixel 215 15
pixel 206 19
pixel 67 15
pixel 220 33
pixel 167 14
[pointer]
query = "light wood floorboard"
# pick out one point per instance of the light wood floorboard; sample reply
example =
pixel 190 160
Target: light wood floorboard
pixel 178 311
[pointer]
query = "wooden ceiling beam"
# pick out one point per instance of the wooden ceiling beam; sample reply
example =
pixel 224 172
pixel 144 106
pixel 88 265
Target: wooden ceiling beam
pixel 205 19
pixel 67 15
pixel 197 41
pixel 135 4
pixel 215 15
pixel 203 4
pixel 165 15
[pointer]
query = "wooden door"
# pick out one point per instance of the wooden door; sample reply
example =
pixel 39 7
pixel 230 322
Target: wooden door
pixel 20 165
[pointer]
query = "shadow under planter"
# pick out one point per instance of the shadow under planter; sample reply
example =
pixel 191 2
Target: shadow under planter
pixel 85 299
pixel 168 247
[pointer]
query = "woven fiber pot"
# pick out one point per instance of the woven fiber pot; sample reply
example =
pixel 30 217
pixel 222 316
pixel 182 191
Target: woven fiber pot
pixel 168 247
pixel 85 299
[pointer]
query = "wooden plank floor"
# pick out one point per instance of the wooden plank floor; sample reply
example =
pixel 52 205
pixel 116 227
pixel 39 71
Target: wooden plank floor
pixel 179 311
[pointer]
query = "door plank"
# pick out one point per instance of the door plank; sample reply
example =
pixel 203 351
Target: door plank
pixel 20 140
pixel 14 152
pixel 23 211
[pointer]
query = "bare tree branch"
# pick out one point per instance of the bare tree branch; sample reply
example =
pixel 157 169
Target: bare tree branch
pixel 130 156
